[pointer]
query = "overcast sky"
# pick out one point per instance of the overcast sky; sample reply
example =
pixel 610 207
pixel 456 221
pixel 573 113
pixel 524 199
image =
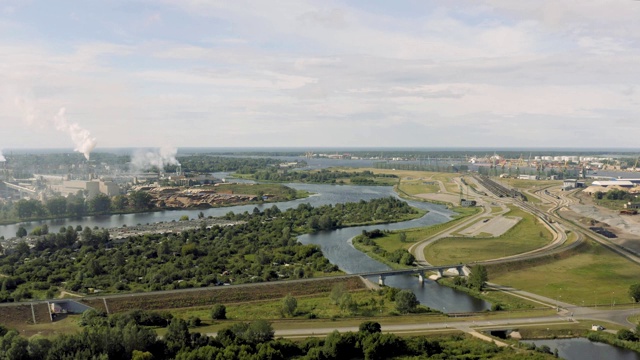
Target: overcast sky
pixel 501 73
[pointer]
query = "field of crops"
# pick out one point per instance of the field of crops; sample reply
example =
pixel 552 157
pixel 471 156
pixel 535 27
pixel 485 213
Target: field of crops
pixel 220 295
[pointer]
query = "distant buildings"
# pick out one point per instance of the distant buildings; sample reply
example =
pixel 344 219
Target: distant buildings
pixel 89 188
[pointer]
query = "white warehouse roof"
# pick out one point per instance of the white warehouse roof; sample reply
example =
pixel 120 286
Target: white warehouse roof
pixel 611 183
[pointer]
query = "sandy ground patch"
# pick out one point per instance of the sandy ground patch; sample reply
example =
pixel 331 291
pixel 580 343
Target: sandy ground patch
pixel 449 198
pixel 626 227
pixel 495 226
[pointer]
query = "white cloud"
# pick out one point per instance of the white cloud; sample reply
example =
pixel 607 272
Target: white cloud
pixel 331 73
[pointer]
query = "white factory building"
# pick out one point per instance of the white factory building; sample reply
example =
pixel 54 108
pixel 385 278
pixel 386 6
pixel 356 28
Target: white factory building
pixel 89 188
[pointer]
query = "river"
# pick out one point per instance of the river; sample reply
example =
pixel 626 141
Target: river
pixel 335 244
pixel 583 349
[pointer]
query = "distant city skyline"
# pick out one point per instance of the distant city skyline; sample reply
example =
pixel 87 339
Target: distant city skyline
pixel 319 74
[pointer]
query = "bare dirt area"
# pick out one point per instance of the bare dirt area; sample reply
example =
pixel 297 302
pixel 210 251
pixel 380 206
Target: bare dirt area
pixel 16 315
pixel 625 227
pixel 495 226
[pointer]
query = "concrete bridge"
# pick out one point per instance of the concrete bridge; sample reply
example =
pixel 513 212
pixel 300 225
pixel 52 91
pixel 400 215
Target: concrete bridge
pixel 461 269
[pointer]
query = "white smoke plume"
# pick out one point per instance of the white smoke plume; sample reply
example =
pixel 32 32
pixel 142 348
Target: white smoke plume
pixel 2 157
pixel 144 160
pixel 81 137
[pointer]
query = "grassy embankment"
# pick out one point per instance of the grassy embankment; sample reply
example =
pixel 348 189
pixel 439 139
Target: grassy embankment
pixel 528 234
pixel 588 275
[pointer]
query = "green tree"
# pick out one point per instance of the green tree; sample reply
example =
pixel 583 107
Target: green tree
pixel 57 206
pixel 370 327
pixel 259 331
pixel 22 232
pixel 478 277
pixel 406 301
pixel 289 305
pixel 119 202
pixel 218 312
pixel 634 292
pixel 100 204
pixel 177 336
pixel 402 237
pixel 627 335
pixel 140 200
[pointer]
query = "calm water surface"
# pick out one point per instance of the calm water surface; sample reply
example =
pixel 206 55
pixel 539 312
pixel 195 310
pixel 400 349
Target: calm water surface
pixel 583 349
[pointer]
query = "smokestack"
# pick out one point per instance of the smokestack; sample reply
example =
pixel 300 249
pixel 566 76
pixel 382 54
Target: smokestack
pixel 2 158
pixel 81 138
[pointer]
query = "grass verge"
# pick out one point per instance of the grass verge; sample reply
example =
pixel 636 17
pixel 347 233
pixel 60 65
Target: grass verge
pixel 529 234
pixel 590 275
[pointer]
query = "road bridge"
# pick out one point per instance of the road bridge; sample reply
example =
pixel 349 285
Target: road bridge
pixel 461 269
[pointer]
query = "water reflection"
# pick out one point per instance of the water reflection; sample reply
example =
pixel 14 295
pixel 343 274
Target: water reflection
pixel 583 349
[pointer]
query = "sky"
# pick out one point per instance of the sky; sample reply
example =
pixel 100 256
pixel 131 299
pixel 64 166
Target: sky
pixel 99 74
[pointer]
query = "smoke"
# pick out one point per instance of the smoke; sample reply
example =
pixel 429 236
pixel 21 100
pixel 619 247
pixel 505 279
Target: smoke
pixel 143 160
pixel 81 137
pixel 2 157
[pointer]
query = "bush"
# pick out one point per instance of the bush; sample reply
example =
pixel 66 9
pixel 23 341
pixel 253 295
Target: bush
pixel 627 335
pixel 406 301
pixel 194 321
pixel 219 312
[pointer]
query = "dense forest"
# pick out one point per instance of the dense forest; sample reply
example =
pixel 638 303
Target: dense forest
pixel 262 248
pixel 324 176
pixel 128 337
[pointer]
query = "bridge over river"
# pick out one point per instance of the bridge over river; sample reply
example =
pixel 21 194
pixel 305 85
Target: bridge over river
pixel 460 269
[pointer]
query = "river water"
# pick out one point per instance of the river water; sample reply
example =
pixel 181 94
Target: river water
pixel 583 349
pixel 335 244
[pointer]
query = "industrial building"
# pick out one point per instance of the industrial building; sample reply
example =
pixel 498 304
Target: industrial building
pixel 568 184
pixel 89 188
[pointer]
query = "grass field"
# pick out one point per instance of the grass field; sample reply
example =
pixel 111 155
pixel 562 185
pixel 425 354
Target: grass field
pixel 527 235
pixel 392 241
pixel 593 275
pixel 320 305
pixel 495 209
pixel 415 187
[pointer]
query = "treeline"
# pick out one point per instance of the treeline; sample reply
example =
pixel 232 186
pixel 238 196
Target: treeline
pixel 263 248
pixel 209 163
pixel 25 165
pixel 323 176
pixel 76 206
pixel 126 338
pixel 614 194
